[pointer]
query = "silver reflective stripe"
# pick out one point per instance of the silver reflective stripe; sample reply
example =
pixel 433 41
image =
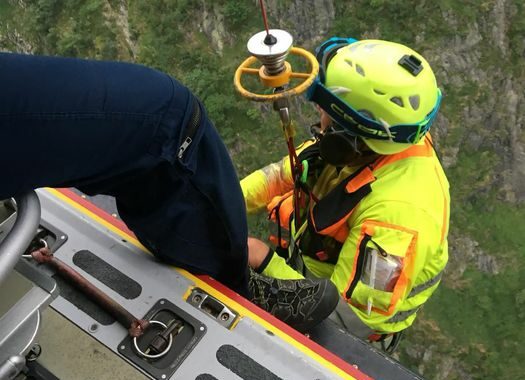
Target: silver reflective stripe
pixel 276 172
pixel 402 315
pixel 424 286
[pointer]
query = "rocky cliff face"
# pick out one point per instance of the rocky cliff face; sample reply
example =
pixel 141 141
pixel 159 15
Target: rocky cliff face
pixel 477 61
pixel 474 64
pixel 309 21
pixel 480 60
pixel 211 22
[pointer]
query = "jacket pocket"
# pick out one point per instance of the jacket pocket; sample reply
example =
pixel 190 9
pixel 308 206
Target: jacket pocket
pixel 383 266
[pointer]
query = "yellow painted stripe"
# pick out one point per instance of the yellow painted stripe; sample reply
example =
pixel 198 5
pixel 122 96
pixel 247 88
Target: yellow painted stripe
pixel 209 289
pixel 130 238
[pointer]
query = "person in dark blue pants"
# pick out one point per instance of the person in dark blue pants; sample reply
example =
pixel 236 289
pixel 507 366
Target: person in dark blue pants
pixel 134 133
pixel 137 134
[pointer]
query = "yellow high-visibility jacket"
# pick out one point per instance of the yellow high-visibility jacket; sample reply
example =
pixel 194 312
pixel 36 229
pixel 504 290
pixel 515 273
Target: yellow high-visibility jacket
pixel 394 248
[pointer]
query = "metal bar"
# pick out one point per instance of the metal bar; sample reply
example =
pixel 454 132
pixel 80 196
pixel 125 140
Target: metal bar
pixel 23 231
pixel 134 325
pixel 18 327
pixel 12 367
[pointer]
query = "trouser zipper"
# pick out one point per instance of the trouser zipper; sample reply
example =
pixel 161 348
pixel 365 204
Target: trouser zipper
pixel 191 129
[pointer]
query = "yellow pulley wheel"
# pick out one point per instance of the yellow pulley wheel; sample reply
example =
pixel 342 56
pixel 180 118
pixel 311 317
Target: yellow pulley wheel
pixel 278 80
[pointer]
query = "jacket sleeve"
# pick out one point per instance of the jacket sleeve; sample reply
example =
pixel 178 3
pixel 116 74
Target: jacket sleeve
pixel 277 268
pixel 262 185
pixel 404 241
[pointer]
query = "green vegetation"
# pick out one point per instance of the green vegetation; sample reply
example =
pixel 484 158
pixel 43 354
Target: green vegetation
pixel 482 323
pixel 479 321
pixel 516 33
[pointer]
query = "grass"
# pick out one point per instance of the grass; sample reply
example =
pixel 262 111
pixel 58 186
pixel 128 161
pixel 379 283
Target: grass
pixel 499 227
pixel 482 323
pixel 5 10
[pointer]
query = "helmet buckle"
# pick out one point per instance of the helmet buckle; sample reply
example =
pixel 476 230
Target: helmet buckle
pixel 411 63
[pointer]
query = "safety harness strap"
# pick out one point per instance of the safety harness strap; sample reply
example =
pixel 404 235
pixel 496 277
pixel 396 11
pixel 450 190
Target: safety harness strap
pixel 339 202
pixel 327 218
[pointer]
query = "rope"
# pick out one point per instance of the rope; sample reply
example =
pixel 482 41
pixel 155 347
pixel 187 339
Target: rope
pixel 265 18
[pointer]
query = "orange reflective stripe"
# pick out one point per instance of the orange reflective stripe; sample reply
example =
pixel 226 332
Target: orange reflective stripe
pixel 341 234
pixel 338 230
pixel 445 208
pixel 278 199
pixel 404 279
pixel 406 273
pixel 364 177
pixel 425 150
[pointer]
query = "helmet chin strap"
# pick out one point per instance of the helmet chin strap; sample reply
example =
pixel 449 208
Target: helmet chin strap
pixel 315 130
pixel 339 148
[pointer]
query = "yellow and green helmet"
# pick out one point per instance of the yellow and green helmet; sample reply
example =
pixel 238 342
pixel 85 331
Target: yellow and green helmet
pixel 382 91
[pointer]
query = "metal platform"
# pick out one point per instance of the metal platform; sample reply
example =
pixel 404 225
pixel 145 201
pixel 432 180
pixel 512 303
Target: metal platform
pixel 220 334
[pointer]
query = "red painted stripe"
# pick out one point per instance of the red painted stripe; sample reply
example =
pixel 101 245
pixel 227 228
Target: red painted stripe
pixel 296 335
pixel 320 350
pixel 95 210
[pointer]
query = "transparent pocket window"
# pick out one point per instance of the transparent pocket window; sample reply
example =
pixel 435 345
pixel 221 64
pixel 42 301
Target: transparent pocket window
pixel 381 270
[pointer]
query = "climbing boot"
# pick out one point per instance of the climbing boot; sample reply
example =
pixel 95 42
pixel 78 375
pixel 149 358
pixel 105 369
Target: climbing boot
pixel 302 304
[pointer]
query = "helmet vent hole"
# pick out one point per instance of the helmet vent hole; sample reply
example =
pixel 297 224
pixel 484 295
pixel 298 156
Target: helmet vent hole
pixel 359 70
pixel 414 102
pixel 367 114
pixel 397 100
pixel 349 62
pixel 379 92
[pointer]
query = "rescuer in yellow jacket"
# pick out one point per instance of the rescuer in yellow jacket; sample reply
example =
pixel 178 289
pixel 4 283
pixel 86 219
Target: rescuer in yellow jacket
pixel 374 207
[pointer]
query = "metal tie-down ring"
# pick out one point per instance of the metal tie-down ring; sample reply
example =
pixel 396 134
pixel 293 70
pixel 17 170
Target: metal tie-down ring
pixel 44 245
pixel 157 356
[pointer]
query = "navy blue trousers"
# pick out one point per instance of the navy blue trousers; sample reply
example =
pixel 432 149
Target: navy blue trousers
pixel 116 128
